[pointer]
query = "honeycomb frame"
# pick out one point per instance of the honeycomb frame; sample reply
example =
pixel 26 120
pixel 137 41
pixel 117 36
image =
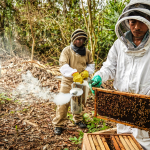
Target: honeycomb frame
pixel 122 107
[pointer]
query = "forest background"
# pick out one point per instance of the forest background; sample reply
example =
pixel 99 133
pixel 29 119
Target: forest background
pixel 42 28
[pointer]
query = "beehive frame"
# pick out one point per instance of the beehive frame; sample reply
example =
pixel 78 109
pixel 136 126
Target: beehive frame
pixel 125 141
pixel 121 107
pixel 92 141
pixel 107 141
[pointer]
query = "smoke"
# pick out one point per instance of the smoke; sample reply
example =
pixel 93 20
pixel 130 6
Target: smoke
pixel 62 98
pixel 30 90
pixel 11 47
pixel 31 87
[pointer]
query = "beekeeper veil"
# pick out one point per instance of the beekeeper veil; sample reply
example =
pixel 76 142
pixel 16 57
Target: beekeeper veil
pixel 138 10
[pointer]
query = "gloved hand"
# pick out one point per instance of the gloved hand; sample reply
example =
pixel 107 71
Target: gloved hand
pixel 77 77
pixel 97 81
pixel 85 74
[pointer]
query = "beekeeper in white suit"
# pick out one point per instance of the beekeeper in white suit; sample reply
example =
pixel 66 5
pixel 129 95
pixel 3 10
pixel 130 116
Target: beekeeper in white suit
pixel 128 61
pixel 76 64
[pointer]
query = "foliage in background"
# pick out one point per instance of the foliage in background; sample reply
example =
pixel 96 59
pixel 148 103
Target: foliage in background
pixel 48 26
pixel 105 29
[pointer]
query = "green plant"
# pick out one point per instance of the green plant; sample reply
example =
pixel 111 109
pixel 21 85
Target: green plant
pixel 16 101
pixel 16 127
pixel 104 126
pixel 79 139
pixel 94 125
pixel 9 99
pixel 70 116
pixel 2 102
pixel 4 97
pixel 12 112
pixel 86 117
pixel 25 109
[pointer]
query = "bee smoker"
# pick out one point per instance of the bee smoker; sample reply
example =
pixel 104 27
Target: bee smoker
pixel 79 94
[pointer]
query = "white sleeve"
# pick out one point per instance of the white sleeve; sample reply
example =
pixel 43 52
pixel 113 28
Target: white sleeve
pixel 146 90
pixel 90 68
pixel 108 70
pixel 67 71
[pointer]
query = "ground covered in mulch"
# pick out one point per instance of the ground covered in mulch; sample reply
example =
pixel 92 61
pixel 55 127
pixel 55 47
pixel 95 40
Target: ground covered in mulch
pixel 25 119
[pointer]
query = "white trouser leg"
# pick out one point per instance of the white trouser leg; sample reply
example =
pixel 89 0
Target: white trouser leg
pixel 142 137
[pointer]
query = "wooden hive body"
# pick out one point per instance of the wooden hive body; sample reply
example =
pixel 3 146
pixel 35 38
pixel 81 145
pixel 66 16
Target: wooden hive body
pixel 93 141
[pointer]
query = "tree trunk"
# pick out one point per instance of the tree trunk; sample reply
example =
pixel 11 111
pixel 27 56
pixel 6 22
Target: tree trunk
pixel 64 8
pixel 90 28
pixel 33 38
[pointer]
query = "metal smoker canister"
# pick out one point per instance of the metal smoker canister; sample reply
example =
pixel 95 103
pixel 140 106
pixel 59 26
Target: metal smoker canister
pixel 76 100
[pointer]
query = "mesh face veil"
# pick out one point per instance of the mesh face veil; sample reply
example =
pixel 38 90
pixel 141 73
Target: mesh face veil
pixel 138 10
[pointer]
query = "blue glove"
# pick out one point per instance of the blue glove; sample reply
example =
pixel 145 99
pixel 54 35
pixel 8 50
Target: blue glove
pixel 96 82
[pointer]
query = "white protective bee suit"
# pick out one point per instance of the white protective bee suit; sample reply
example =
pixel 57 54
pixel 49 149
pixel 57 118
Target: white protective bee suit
pixel 128 65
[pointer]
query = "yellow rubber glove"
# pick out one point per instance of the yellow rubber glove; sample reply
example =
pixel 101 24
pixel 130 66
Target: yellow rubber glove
pixel 85 74
pixel 77 77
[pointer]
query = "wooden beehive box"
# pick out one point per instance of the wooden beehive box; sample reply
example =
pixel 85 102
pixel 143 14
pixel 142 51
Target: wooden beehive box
pixel 121 107
pixel 104 141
